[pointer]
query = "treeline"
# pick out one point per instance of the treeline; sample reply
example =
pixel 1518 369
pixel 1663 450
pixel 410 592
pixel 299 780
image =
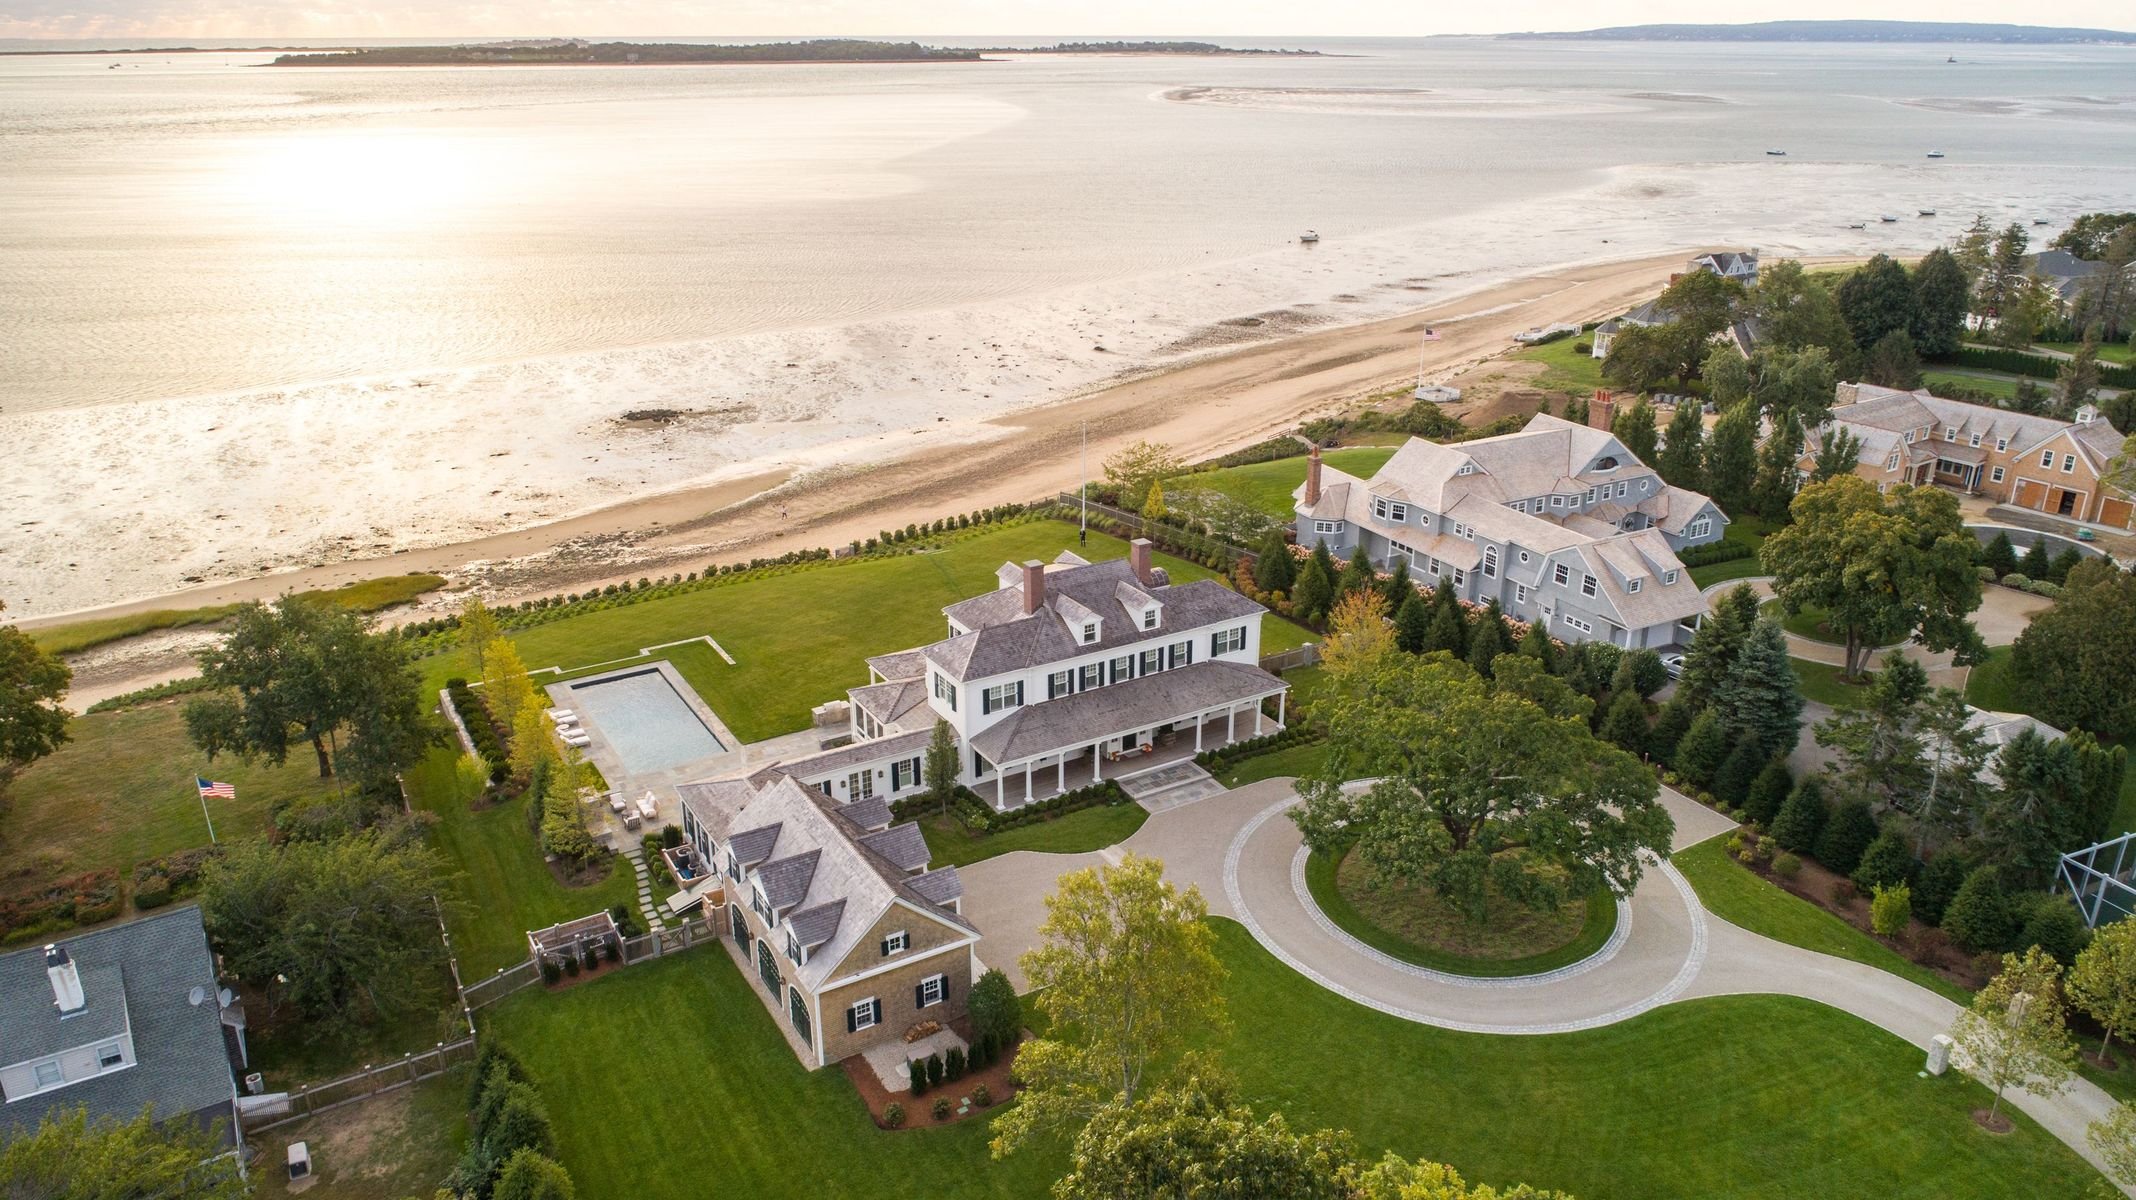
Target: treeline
pixel 818 50
pixel 1140 48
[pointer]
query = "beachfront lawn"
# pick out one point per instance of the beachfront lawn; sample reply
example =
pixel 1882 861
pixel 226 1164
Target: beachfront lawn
pixel 1565 369
pixel 500 875
pixel 1267 486
pixel 951 844
pixel 801 637
pixel 368 595
pixel 122 791
pixel 1741 897
pixel 1818 1103
pixel 1418 927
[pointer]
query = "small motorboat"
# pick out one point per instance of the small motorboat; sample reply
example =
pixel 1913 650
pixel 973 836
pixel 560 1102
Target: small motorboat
pixel 1776 153
pixel 1935 154
pixel 1951 59
pixel 1309 237
pixel 1888 219
pixel 1928 212
pixel 2039 220
pixel 1859 225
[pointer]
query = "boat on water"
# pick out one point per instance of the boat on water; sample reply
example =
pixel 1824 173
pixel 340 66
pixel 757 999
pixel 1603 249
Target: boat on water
pixel 1951 59
pixel 1888 219
pixel 1928 212
pixel 1935 154
pixel 1309 237
pixel 2039 220
pixel 1777 153
pixel 1859 225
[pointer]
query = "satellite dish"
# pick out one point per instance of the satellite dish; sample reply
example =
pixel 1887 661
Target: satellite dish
pixel 224 997
pixel 197 995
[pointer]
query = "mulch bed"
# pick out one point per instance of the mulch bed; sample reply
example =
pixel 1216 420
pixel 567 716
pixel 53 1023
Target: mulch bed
pixel 568 980
pixel 919 1112
pixel 1999 1123
pixel 1924 945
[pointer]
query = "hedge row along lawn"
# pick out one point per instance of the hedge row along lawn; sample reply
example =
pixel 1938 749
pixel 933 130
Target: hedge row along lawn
pixel 801 638
pixel 1741 1096
pixel 369 595
pixel 1268 486
pixel 1343 907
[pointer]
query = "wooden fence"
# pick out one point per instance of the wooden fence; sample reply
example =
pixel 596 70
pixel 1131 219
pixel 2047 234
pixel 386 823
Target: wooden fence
pixel 643 948
pixel 371 1081
pixel 1157 531
pixel 1285 660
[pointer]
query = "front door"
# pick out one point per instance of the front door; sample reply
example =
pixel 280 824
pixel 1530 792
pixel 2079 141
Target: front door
pixel 2068 504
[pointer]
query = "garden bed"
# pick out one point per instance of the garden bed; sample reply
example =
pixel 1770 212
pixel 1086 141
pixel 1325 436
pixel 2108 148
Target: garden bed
pixel 1433 935
pixel 997 1078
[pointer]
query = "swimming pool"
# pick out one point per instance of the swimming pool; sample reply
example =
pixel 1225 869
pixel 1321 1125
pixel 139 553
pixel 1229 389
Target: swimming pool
pixel 649 725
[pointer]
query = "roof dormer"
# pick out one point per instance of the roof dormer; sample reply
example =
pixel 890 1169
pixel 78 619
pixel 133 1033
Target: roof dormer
pixel 1144 611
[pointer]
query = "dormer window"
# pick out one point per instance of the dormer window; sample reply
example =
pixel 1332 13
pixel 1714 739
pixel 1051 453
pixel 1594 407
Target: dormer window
pixel 2001 444
pixel 1668 579
pixel 1950 433
pixel 1390 510
pixel 1149 617
pixel 793 948
pixel 108 1056
pixel 1607 462
pixel 1466 469
pixel 1090 632
pixel 1632 586
pixel 1909 436
pixel 1974 440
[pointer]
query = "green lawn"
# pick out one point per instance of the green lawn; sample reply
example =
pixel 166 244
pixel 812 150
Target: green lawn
pixel 122 791
pixel 952 844
pixel 1295 761
pixel 801 637
pixel 1268 486
pixel 1320 881
pixel 1807 623
pixel 1574 372
pixel 2002 387
pixel 1740 896
pixel 670 1074
pixel 1823 684
pixel 389 1147
pixel 1721 572
pixel 506 887
pixel 2117 352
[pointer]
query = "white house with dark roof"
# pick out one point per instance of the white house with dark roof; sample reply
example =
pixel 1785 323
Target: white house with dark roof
pixel 1064 670
pixel 1559 523
pixel 832 909
pixel 116 1019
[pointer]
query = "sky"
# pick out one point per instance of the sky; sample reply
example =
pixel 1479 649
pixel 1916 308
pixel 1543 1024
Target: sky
pixel 920 18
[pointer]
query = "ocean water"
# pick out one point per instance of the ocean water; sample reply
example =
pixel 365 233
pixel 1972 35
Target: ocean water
pixel 253 318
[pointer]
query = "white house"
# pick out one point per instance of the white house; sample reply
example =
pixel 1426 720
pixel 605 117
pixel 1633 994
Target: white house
pixel 1061 672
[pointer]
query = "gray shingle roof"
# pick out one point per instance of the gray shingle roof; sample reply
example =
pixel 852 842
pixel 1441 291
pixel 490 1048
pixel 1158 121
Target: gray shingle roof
pixel 814 926
pixel 154 963
pixel 870 813
pixel 754 845
pixel 939 886
pixel 902 845
pixel 1085 717
pixel 888 702
pixel 859 754
pixel 903 664
pixel 713 803
pixel 1003 639
pixel 786 879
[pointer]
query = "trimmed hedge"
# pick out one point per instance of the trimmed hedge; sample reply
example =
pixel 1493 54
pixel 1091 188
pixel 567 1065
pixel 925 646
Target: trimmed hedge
pixel 481 729
pixel 1224 756
pixel 979 816
pixel 2035 366
pixel 1715 552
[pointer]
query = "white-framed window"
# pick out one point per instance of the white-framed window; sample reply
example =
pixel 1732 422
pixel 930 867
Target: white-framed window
pixel 2046 458
pixel 1524 556
pixel 896 943
pixel 1909 437
pixel 1587 585
pixel 1179 654
pixel 1060 683
pixel 1089 675
pixel 1327 527
pixel 1466 468
pixel 932 991
pixel 1562 575
pixel 1891 461
pixel 1227 641
pixel 1974 440
pixel 1578 624
pixel 1996 475
pixel 50 1074
pixel 1520 506
pixel 1090 631
pixel 946 692
pixel 1149 617
pixel 1520 593
pixel 2069 463
pixel 108 1056
pixel 860 785
pixel 793 947
pixel 1123 668
pixel 864 1014
pixel 1700 528
pixel 1490 562
pixel 1623 485
pixel 1152 662
pixel 1644 484
pixel 1460 577
pixel 1668 578
pixel 2001 444
pixel 1590 495
pixel 1950 433
pixel 904 773
pixel 1390 510
pixel 1464 532
pixel 1631 586
pixel 1000 696
pixel 1557 501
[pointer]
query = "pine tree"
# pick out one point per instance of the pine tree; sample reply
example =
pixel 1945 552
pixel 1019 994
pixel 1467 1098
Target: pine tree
pixel 1536 644
pixel 1886 863
pixel 1635 428
pixel 1759 696
pixel 1670 727
pixel 1398 587
pixel 1979 917
pixel 1682 458
pixel 1314 591
pixel 1274 569
pixel 2000 556
pixel 1449 624
pixel 1412 624
pixel 1731 782
pixel 1626 724
pixel 2036 564
pixel 1768 792
pixel 1802 817
pixel 1719 639
pixel 1702 750
pixel 1358 574
pixel 1845 837
pixel 1487 640
pixel 1939 884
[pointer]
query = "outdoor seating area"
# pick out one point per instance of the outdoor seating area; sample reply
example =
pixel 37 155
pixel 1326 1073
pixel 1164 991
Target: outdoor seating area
pixel 569 940
pixel 567 728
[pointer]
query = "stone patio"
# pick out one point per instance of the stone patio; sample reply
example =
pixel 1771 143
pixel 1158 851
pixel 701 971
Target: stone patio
pixel 1170 786
pixel 888 1059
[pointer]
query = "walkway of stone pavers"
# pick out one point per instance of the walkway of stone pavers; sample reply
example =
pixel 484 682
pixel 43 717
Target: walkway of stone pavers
pixel 1243 852
pixel 646 905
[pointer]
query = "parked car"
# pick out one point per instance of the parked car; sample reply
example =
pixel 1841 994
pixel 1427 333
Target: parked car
pixel 1674 662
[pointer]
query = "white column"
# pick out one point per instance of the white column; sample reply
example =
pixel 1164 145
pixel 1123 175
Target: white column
pixel 1027 783
pixel 1097 762
pixel 1231 724
pixel 1197 731
pixel 1257 718
pixel 1001 793
pixel 1060 773
pixel 1280 698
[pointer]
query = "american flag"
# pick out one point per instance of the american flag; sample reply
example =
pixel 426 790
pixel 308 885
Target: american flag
pixel 1430 334
pixel 210 790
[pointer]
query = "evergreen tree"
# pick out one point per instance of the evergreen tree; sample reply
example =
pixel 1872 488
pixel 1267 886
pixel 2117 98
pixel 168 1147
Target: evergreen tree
pixel 1802 817
pixel 1719 639
pixel 2053 924
pixel 1893 362
pixel 1634 427
pixel 1626 724
pixel 1759 696
pixel 2000 556
pixel 1398 587
pixel 2003 279
pixel 1358 575
pixel 2036 564
pixel 2065 562
pixel 1972 248
pixel 1731 466
pixel 1412 624
pixel 1940 293
pixel 1314 592
pixel 1682 458
pixel 1979 917
pixel 1703 748
pixel 1845 837
pixel 1536 644
pixel 1769 791
pixel 1487 640
pixel 1670 727
pixel 1731 783
pixel 1774 487
pixel 1886 863
pixel 1449 623
pixel 1326 559
pixel 1639 671
pixel 1274 569
pixel 1939 883
pixel 1576 408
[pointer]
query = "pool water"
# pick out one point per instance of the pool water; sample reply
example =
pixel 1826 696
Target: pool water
pixel 649 725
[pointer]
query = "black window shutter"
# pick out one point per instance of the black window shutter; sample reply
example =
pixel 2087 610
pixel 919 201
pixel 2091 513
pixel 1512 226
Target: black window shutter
pixel 919 996
pixel 886 947
pixel 852 1020
pixel 875 1010
pixel 945 989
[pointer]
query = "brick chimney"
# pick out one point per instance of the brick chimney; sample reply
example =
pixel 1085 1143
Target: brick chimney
pixel 1034 587
pixel 1138 557
pixel 1312 476
pixel 1600 410
pixel 66 981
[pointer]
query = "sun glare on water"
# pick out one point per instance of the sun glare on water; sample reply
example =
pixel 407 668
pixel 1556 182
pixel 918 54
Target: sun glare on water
pixel 360 180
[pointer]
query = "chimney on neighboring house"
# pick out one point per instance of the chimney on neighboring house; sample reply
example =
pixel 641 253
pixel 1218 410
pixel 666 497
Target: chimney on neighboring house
pixel 1138 557
pixel 1034 588
pixel 1312 476
pixel 1600 410
pixel 66 981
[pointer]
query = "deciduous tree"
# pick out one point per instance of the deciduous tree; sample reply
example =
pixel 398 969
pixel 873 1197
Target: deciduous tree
pixel 2071 663
pixel 1134 469
pixel 2103 981
pixel 1876 300
pixel 478 628
pixel 1893 361
pixel 1193 1139
pixel 1358 634
pixel 2014 1035
pixel 67 1156
pixel 1839 452
pixel 1731 466
pixel 2113 1139
pixel 1795 310
pixel 1634 427
pixel 32 682
pixel 1940 295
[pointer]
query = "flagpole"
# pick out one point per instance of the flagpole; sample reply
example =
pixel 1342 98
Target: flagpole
pixel 1082 469
pixel 204 810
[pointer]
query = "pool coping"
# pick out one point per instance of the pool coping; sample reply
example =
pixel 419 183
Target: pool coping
pixel 560 697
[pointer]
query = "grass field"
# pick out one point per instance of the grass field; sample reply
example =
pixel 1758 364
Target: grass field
pixel 952 844
pixel 507 888
pixel 122 791
pixel 1745 1096
pixel 2115 352
pixel 1722 572
pixel 1823 684
pixel 1351 915
pixel 1268 486
pixel 1296 761
pixel 369 595
pixel 1736 894
pixel 391 1147
pixel 801 638
pixel 1574 372
pixel 2002 387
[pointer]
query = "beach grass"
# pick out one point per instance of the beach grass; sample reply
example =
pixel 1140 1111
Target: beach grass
pixel 1818 1103
pixel 1267 486
pixel 367 595
pixel 1565 369
pixel 801 637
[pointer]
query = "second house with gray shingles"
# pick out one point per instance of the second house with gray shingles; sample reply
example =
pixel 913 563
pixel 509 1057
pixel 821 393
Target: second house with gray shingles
pixel 1066 673
pixel 1559 523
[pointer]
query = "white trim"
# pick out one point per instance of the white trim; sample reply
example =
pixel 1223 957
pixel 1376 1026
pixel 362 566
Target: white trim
pixel 941 980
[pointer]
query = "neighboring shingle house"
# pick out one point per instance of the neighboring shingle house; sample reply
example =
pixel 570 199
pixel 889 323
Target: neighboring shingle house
pixel 117 1019
pixel 1057 672
pixel 1559 522
pixel 849 936
pixel 1739 265
pixel 2021 459
pixel 2064 273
